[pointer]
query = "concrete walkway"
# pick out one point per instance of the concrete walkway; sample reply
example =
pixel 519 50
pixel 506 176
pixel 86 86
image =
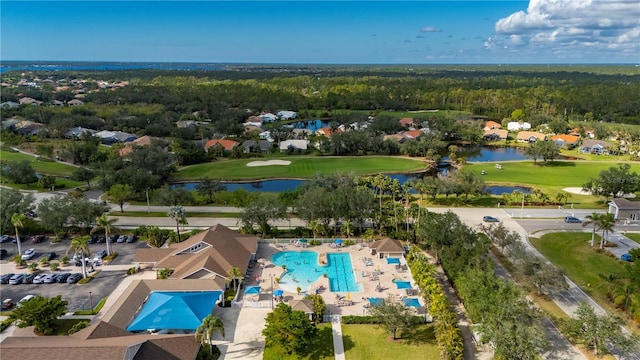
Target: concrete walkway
pixel 338 344
pixel 243 330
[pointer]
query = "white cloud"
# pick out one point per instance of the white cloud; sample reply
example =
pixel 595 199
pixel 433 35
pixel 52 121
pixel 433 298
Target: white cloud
pixel 430 29
pixel 579 27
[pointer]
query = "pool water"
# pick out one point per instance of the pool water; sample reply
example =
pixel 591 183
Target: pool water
pixel 411 302
pixel 303 269
pixel 393 261
pixel 402 284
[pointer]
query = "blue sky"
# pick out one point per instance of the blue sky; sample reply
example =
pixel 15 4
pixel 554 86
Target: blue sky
pixel 338 32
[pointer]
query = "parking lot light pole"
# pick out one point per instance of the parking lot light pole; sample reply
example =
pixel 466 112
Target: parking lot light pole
pixel 91 302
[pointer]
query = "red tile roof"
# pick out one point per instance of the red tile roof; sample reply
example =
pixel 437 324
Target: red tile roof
pixel 569 139
pixel 226 144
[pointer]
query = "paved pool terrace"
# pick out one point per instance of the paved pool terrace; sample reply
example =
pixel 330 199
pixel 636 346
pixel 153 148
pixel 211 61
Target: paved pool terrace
pixel 377 282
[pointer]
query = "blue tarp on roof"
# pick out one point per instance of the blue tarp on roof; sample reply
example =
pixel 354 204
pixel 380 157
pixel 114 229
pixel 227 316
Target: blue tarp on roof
pixel 175 310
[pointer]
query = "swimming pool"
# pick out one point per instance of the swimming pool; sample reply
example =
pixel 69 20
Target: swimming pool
pixel 393 261
pixel 400 284
pixel 303 269
pixel 411 302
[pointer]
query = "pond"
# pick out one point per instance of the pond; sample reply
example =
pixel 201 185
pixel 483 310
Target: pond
pixel 279 185
pixel 492 154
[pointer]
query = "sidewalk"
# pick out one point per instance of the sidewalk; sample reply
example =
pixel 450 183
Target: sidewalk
pixel 338 344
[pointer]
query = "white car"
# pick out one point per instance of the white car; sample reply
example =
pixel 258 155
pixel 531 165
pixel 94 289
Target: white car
pixel 39 279
pixel 25 299
pixel 29 254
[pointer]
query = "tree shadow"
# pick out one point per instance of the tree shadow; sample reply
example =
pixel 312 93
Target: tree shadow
pixel 555 164
pixel 423 334
pixel 322 344
pixel 347 342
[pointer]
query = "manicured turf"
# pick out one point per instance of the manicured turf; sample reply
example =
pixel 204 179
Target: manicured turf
pixel 583 265
pixel 164 214
pixel 368 342
pixel 320 349
pixel 300 167
pixel 40 166
pixel 634 236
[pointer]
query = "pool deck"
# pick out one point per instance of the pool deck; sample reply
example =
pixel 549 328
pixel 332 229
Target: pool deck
pixel 353 303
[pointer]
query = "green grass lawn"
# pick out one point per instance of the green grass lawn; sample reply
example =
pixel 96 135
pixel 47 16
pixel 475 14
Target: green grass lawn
pixel 587 268
pixel 300 167
pixel 320 349
pixel 40 166
pixel 369 342
pixel 164 214
pixel 633 236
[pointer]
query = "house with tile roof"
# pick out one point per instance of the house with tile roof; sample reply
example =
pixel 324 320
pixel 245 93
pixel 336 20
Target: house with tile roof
pixel 569 141
pixel 327 131
pixel 29 101
pixel 406 122
pixel 413 134
pixel 495 134
pixel 142 141
pixel 206 255
pixel 530 136
pixel 597 147
pixel 227 145
pixel 492 125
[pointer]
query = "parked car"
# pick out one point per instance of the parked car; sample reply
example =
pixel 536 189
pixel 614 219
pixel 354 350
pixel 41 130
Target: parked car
pixel 7 304
pixel 28 278
pixel 50 278
pixel 572 219
pixel 100 239
pixel 25 299
pixel 38 239
pixel 3 253
pixel 50 256
pixel 29 254
pixel 626 257
pixel 39 278
pixel 113 237
pixel 74 278
pixel 32 214
pixel 121 239
pixel 132 238
pixel 62 278
pixel 4 239
pixel 4 279
pixel 490 219
pixel 100 254
pixel 15 240
pixel 16 279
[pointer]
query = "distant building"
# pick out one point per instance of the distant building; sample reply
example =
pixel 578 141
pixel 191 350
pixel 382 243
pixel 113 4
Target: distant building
pixel 516 126
pixel 287 115
pixel 597 147
pixel 492 125
pixel 623 209
pixel 495 134
pixel 293 145
pixel 565 140
pixel 227 145
pixel 113 137
pixel 76 132
pixel 530 136
pixel 406 122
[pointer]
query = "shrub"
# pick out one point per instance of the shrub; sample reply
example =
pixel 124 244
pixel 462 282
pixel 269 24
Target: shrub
pixel 54 265
pixel 33 266
pixel 131 270
pixel 110 258
pixel 77 327
pixel 5 324
pixel 165 273
pixel 64 260
pixel 349 242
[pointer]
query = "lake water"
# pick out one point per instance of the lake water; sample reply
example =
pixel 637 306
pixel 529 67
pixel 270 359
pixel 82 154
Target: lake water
pixel 492 154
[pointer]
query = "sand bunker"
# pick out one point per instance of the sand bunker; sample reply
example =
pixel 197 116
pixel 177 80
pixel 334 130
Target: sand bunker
pixel 576 190
pixel 269 162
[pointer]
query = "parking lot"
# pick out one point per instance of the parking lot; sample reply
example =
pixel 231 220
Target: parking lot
pixel 79 297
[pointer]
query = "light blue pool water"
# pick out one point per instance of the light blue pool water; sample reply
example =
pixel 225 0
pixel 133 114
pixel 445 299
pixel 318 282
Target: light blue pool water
pixel 376 301
pixel 393 261
pixel 411 302
pixel 303 269
pixel 402 284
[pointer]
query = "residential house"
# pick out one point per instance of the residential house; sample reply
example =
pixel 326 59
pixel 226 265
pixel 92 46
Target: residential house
pixel 327 131
pixel 412 134
pixel 597 147
pixel 250 146
pixel 111 137
pixel 623 209
pixel 29 101
pixel 207 255
pixel 143 141
pixel 495 134
pixel 387 247
pixel 9 105
pixel 293 145
pixel 28 128
pixel 304 305
pixel 57 103
pixel 77 132
pixel 286 115
pixel 268 117
pixel 254 121
pixel 302 133
pixel 516 126
pixel 530 136
pixel 395 137
pixel 75 102
pixel 568 141
pixel 491 125
pixel 266 135
pixel 227 145
pixel 406 122
pixel 10 124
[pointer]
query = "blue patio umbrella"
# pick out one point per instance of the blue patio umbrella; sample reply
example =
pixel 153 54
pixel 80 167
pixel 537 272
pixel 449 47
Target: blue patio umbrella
pixel 278 292
pixel 338 241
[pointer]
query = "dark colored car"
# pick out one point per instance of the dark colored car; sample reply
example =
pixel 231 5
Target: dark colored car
pixel 113 238
pixel 100 239
pixel 31 214
pixel 572 219
pixel 132 238
pixel 50 256
pixel 3 253
pixel 626 257
pixel 121 239
pixel 101 254
pixel 15 241
pixel 74 278
pixel 62 278
pixel 28 278
pixel 93 239
pixel 4 279
pixel 7 304
pixel 38 239
pixel 5 238
pixel 490 219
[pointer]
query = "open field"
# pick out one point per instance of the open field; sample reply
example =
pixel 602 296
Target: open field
pixel 587 268
pixel 367 342
pixel 321 348
pixel 40 166
pixel 300 168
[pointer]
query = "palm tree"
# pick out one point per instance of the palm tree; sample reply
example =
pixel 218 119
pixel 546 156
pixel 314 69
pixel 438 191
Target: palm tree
pixel 347 228
pixel 80 246
pixel 235 274
pixel 593 219
pixel 208 328
pixel 18 220
pixel 103 222
pixel 607 222
pixel 179 216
